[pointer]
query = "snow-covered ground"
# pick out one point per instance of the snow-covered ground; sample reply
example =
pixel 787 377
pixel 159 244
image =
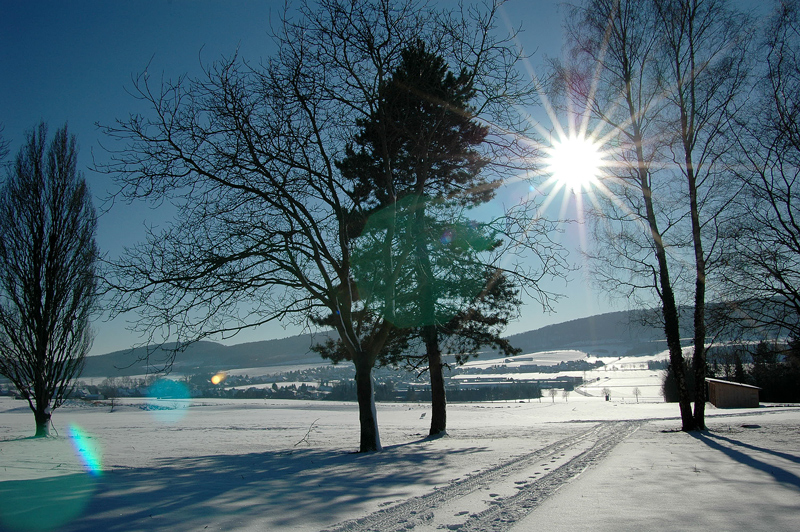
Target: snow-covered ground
pixel 541 358
pixel 565 464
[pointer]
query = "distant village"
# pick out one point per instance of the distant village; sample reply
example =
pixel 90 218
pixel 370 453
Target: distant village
pixel 336 383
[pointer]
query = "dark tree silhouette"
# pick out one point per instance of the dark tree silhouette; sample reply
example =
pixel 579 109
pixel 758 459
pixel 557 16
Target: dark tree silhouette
pixel 47 272
pixel 246 153
pixel 416 163
pixel 762 270
pixel 665 79
pixel 614 78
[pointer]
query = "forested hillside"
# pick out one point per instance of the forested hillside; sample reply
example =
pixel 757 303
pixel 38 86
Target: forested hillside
pixel 623 333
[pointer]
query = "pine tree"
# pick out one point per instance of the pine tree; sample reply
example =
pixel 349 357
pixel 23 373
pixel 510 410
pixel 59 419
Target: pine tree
pixel 416 165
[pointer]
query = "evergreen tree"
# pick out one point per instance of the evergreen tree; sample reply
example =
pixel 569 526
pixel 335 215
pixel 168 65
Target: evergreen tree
pixel 738 368
pixel 416 165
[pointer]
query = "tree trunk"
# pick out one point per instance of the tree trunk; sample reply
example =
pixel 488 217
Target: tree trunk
pixel 699 357
pixel 40 402
pixel 427 310
pixel 438 399
pixel 367 414
pixel 42 418
pixel 699 362
pixel 672 331
pixel 668 306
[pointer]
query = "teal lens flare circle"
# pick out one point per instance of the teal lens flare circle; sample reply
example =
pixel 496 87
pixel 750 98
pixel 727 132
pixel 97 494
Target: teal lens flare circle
pixel 416 253
pixel 168 400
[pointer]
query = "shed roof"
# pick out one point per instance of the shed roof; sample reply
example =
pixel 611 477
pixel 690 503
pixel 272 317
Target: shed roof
pixel 722 381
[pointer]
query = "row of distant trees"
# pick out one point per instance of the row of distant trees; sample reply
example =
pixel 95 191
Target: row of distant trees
pixel 334 185
pixel 772 366
pixel 345 391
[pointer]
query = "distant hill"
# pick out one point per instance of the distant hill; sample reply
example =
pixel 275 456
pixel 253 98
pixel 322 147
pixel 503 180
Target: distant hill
pixel 207 356
pixel 615 333
pixel 631 332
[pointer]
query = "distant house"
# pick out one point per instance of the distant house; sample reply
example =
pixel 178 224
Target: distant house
pixel 86 395
pixel 727 394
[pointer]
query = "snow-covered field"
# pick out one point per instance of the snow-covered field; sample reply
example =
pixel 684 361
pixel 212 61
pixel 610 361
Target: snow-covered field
pixel 542 358
pixel 575 464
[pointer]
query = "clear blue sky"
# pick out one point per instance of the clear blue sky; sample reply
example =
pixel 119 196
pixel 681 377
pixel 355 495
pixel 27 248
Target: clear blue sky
pixel 72 61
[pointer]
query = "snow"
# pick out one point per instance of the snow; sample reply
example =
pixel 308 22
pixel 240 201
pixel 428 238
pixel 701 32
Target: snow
pixel 263 371
pixel 541 358
pixel 575 464
pixel 742 474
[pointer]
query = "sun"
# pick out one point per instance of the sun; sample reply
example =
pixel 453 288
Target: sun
pixel 575 163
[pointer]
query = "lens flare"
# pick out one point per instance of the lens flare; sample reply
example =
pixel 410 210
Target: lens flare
pixel 447 237
pixel 86 449
pixel 219 377
pixel 399 230
pixel 168 400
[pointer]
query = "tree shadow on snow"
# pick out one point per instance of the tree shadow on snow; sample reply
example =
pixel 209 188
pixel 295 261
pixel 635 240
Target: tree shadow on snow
pixel 779 454
pixel 25 438
pixel 779 474
pixel 270 490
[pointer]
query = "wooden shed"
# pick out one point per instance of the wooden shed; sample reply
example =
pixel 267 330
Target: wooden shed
pixel 727 394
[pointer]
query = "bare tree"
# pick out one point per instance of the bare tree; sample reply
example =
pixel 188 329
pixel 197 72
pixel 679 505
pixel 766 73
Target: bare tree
pixel 614 81
pixel 3 144
pixel 553 393
pixel 762 253
pixel 48 285
pixel 637 393
pixel 247 155
pixel 665 77
pixel 704 70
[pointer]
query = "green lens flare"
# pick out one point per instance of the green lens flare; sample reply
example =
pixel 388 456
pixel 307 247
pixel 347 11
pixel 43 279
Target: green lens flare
pixel 417 262
pixel 86 449
pixel 168 400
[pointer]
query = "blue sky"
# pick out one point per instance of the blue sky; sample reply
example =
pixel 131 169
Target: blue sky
pixel 72 61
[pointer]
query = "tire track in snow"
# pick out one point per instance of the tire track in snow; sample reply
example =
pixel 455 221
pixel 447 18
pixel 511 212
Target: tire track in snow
pixel 581 451
pixel 505 515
